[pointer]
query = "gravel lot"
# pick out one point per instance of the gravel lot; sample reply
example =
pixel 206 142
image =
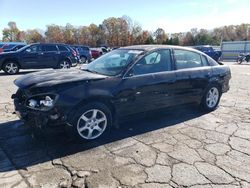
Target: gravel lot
pixel 182 148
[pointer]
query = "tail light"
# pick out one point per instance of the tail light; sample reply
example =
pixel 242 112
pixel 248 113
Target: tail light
pixel 74 52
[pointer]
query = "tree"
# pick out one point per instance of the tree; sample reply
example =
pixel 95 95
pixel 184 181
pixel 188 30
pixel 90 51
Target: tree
pixel 142 38
pixel 160 36
pixel 149 40
pixel 32 36
pixel 54 33
pixel 116 31
pixel 68 34
pixel 95 34
pixel 12 33
pixel 188 39
pixel 203 38
pixel 123 31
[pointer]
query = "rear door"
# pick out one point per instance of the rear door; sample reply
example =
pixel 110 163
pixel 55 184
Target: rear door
pixel 192 74
pixel 50 56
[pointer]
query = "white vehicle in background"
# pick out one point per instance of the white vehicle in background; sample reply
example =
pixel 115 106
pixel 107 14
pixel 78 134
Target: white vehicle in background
pixel 233 49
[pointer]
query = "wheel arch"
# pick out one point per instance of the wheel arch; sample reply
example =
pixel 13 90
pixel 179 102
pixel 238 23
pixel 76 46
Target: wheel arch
pixel 217 82
pixel 63 59
pixel 106 100
pixel 11 59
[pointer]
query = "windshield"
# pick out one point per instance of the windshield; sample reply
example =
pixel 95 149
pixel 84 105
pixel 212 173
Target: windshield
pixel 23 48
pixel 114 62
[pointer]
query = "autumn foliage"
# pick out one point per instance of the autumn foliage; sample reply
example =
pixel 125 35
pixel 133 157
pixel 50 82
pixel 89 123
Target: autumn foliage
pixel 124 31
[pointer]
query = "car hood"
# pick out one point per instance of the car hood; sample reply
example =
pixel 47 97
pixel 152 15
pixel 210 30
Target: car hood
pixel 55 77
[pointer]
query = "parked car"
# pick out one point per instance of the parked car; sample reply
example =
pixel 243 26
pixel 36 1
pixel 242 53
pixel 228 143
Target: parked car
pixel 215 54
pixel 95 53
pixel 126 81
pixel 11 46
pixel 84 53
pixel 38 56
pixel 103 50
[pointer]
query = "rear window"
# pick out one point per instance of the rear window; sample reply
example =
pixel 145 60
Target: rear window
pixel 85 48
pixel 50 48
pixel 63 48
pixel 187 59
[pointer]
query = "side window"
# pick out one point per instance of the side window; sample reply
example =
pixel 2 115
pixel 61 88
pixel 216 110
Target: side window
pixel 204 60
pixel 85 48
pixel 79 49
pixel 62 49
pixel 212 62
pixel 154 62
pixel 33 49
pixel 50 48
pixel 187 59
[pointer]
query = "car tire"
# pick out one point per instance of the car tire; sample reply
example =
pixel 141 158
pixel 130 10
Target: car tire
pixel 211 97
pixel 64 64
pixel 91 122
pixel 83 59
pixel 11 67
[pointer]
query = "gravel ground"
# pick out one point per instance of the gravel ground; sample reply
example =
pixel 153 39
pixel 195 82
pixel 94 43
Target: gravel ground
pixel 182 148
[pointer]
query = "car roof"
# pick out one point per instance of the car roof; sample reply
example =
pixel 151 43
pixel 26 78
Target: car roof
pixel 154 47
pixel 78 45
pixel 51 44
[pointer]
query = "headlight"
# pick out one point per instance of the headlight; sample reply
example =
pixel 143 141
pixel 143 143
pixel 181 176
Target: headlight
pixel 42 102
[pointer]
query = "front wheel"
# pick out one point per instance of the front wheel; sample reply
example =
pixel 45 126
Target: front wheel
pixel 11 67
pixel 92 121
pixel 211 98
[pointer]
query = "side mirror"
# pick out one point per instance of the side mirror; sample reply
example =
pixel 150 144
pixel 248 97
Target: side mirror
pixel 27 51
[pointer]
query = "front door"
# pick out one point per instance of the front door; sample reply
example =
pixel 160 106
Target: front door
pixel 147 85
pixel 31 57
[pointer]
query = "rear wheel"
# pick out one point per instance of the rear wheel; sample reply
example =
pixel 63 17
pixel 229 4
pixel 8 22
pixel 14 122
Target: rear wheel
pixel 11 67
pixel 83 59
pixel 64 64
pixel 92 121
pixel 211 97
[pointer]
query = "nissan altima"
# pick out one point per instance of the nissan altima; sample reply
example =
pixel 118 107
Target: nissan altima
pixel 126 81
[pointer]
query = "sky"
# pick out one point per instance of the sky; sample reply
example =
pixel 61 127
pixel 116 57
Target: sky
pixel 171 15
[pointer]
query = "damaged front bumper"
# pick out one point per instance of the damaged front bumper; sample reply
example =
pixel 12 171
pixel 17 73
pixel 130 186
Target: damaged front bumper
pixel 38 118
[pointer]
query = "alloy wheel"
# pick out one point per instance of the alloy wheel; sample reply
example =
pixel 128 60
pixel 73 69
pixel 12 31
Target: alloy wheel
pixel 64 65
pixel 212 97
pixel 92 124
pixel 83 59
pixel 11 68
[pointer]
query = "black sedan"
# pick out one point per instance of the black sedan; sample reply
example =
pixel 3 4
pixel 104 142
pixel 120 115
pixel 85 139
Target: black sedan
pixel 126 81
